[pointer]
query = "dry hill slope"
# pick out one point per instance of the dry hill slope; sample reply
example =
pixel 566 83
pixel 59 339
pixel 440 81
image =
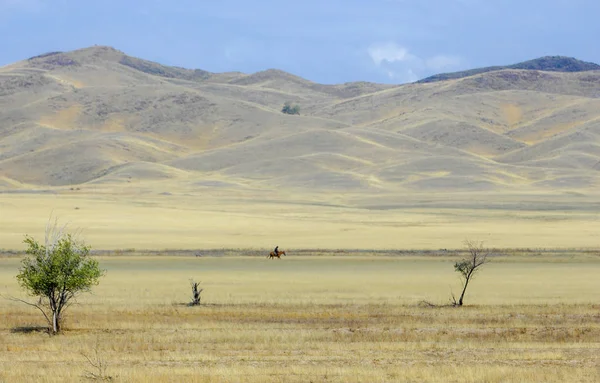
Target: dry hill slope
pixel 547 63
pixel 99 116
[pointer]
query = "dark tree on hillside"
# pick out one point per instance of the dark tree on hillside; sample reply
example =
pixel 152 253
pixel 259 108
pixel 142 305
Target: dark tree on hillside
pixel 289 109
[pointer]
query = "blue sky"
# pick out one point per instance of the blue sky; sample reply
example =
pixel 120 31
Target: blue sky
pixel 328 41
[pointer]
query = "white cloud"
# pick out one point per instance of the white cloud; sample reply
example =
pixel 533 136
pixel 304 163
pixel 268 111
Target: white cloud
pixel 400 64
pixel 390 52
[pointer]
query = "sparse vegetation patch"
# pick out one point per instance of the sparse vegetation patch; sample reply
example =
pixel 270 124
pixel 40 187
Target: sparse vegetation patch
pixel 45 55
pixel 331 318
pixel 164 71
pixel 53 60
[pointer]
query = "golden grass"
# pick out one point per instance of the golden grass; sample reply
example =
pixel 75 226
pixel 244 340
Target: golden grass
pixel 321 318
pixel 535 137
pixel 198 218
pixel 67 80
pixel 512 114
pixel 63 119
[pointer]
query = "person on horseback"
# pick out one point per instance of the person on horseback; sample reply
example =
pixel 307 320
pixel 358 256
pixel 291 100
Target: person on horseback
pixel 276 251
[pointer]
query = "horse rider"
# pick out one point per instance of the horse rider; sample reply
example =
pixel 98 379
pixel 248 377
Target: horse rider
pixel 276 251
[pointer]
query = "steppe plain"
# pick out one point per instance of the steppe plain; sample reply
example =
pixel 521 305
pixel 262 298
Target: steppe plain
pixel 127 148
pixel 371 190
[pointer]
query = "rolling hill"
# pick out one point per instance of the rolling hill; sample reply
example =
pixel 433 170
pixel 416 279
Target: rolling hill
pixel 97 116
pixel 547 63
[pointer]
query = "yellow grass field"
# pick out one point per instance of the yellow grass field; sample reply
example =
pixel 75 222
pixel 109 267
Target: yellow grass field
pixel 322 318
pixel 236 220
pixel 151 163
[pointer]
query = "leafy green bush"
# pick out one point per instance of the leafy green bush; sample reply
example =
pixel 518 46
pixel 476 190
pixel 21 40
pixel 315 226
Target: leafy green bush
pixel 56 272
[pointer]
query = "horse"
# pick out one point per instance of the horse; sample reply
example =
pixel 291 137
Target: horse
pixel 273 255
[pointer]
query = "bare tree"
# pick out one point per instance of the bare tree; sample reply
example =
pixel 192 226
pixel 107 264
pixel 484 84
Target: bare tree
pixel 98 364
pixel 195 293
pixel 468 267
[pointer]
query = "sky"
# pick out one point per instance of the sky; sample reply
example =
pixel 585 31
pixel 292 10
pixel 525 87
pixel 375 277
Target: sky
pixel 326 41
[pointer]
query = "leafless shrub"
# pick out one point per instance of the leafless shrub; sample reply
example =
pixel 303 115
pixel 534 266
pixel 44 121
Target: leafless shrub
pixel 196 293
pixel 468 267
pixel 98 365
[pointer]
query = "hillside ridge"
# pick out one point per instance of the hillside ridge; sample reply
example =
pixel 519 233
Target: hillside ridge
pixel 546 63
pixel 99 117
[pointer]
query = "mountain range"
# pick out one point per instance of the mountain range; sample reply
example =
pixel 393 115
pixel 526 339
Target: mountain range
pixel 96 116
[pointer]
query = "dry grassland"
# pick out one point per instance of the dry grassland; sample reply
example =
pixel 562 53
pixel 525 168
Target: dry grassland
pixel 317 319
pixel 216 219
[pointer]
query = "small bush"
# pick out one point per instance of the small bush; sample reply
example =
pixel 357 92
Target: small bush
pixel 289 109
pixel 56 272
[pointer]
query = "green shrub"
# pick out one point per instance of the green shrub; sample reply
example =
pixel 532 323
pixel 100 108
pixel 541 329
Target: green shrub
pixel 289 109
pixel 56 272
